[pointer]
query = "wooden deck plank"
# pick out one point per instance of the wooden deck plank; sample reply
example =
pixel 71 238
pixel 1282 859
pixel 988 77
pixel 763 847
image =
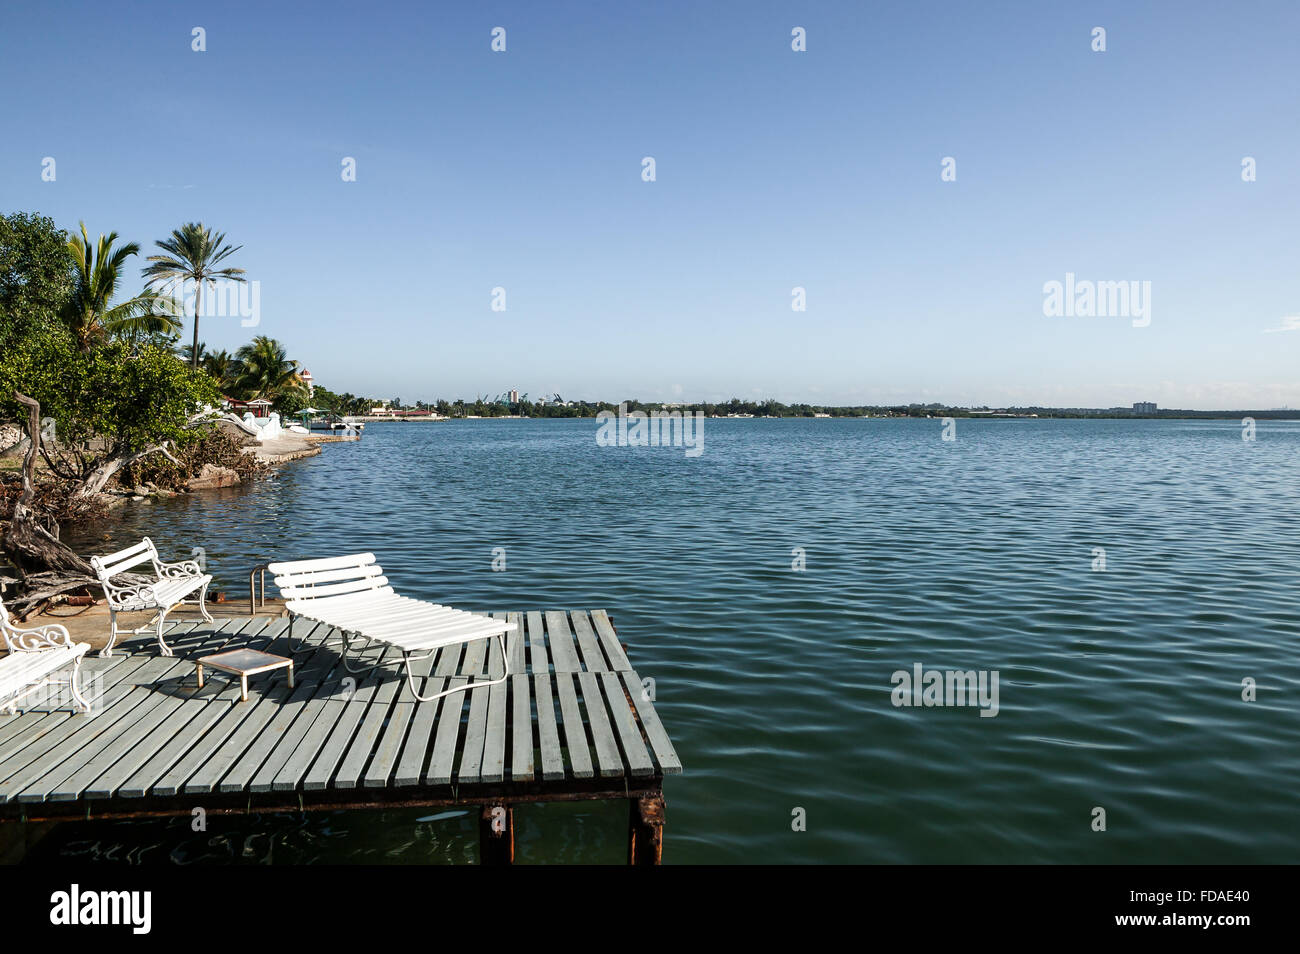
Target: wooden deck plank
pixel 661 746
pixel 539 660
pixel 548 733
pixel 419 740
pixel 471 749
pixel 602 735
pixel 564 652
pixel 446 736
pixel 592 656
pixel 390 742
pixel 635 755
pixel 363 746
pixel 43 764
pixel 515 643
pixel 575 733
pixel 332 752
pixel 494 742
pixel 275 743
pixel 522 744
pixel 609 641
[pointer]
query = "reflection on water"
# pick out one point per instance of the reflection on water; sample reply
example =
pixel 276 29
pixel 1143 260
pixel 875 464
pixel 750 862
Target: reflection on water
pixel 1119 689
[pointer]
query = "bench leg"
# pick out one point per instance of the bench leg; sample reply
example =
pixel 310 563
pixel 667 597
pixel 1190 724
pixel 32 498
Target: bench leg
pixel 162 620
pixel 203 608
pixel 112 632
pixel 75 687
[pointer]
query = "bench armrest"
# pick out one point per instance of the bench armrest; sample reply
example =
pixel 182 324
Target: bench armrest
pixel 179 570
pixel 50 636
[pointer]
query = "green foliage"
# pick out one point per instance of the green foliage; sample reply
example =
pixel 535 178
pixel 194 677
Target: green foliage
pixel 193 253
pixel 266 371
pixel 36 276
pixel 210 445
pixel 107 402
pixel 89 312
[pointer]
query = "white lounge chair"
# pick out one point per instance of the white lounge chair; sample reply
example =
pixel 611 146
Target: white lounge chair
pixel 173 584
pixel 351 594
pixel 35 656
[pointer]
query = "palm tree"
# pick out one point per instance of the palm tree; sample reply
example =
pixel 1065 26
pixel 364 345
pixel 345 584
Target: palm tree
pixel 187 353
pixel 89 312
pixel 194 252
pixel 223 366
pixel 266 370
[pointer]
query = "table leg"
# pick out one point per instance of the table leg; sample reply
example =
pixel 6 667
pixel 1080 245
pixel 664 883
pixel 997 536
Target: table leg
pixel 200 666
pixel 290 675
pixel 243 688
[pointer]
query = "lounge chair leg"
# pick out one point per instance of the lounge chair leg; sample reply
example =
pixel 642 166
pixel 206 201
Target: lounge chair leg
pixel 302 643
pixel 347 645
pixel 475 684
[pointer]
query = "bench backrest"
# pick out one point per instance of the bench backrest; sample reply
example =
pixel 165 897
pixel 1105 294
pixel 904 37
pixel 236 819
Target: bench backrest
pixel 332 576
pixel 107 567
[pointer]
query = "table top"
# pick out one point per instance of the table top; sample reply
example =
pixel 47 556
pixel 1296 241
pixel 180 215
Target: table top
pixel 247 661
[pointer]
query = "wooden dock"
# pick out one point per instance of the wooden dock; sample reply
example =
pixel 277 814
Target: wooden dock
pixel 573 722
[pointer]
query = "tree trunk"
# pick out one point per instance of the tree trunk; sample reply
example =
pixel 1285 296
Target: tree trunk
pixel 194 354
pixel 28 545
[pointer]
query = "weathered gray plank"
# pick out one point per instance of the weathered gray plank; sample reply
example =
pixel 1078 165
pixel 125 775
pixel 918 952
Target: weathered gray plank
pixel 521 729
pixel 417 748
pixel 446 736
pixel 471 750
pixel 635 755
pixel 662 747
pixel 609 640
pixel 322 769
pixel 267 754
pixel 575 733
pixel 363 746
pixel 494 741
pixel 564 654
pixel 548 733
pixel 515 643
pixel 539 660
pixel 592 657
pixel 394 734
pixel 602 736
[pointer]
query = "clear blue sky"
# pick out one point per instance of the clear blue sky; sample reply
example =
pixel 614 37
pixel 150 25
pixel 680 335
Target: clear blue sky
pixel 775 169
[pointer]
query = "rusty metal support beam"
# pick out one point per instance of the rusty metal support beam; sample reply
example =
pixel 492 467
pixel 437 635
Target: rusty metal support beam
pixel 645 830
pixel 496 835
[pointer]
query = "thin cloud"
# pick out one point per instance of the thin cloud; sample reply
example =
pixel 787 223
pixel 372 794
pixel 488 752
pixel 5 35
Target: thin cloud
pixel 1289 323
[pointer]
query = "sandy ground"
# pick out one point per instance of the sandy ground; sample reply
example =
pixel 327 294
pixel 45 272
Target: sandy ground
pixel 89 624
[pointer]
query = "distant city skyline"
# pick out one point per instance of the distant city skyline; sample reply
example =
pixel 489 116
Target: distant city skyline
pixel 976 209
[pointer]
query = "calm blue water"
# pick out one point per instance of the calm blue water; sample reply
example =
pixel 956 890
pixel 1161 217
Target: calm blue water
pixel 1120 689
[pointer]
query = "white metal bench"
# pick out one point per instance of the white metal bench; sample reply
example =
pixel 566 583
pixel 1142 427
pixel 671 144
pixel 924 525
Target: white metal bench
pixel 35 656
pixel 351 594
pixel 173 584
